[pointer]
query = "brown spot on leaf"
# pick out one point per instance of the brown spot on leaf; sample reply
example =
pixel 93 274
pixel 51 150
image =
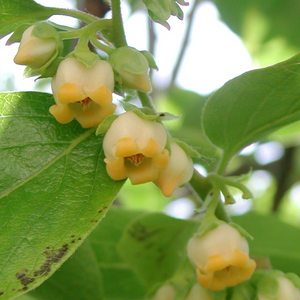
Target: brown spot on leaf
pixel 100 211
pixel 52 257
pixel 1 293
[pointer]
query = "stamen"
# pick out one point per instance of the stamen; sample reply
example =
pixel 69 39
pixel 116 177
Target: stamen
pixel 85 103
pixel 136 158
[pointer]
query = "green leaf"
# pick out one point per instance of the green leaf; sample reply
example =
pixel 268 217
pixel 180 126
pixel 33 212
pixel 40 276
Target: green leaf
pixel 96 271
pixel 16 12
pixel 54 190
pixel 252 105
pixel 273 238
pixel 154 244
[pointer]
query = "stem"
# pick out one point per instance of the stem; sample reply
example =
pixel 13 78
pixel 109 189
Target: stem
pixel 200 184
pixel 185 43
pixel 223 164
pixel 118 32
pixel 101 46
pixel 145 100
pixel 88 18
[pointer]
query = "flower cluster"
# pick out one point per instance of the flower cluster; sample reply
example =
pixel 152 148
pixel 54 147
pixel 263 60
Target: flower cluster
pixel 82 85
pixel 221 257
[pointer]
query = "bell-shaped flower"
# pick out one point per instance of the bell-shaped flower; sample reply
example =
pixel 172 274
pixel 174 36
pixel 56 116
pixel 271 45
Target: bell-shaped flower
pixel 135 148
pixel 83 93
pixel 285 290
pixel 35 52
pixel 165 292
pixel 221 257
pixel 179 171
pixel 197 292
pixel 132 66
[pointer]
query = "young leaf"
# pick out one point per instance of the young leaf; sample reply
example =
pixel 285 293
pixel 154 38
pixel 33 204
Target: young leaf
pixel 54 190
pixel 154 245
pixel 16 12
pixel 253 105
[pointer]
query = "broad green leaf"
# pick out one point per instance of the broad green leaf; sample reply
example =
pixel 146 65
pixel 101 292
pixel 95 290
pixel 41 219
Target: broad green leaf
pixel 15 12
pixel 54 190
pixel 252 105
pixel 273 238
pixel 95 271
pixel 154 245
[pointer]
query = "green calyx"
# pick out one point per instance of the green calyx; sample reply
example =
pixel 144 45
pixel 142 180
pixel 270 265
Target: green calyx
pixel 187 148
pixel 17 35
pixel 128 59
pixel 161 10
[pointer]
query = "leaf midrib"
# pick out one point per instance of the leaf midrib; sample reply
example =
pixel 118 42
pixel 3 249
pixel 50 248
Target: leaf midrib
pixel 73 144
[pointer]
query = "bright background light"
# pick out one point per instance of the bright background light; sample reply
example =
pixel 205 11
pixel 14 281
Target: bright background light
pixel 214 54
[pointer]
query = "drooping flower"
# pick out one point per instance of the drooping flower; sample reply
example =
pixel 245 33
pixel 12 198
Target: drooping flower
pixel 132 66
pixel 165 292
pixel 197 292
pixel 135 148
pixel 35 52
pixel 83 93
pixel 179 171
pixel 221 257
pixel 285 289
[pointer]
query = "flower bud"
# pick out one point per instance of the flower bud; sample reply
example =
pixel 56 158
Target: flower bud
pixel 132 66
pixel 221 257
pixel 165 292
pixel 82 92
pixel 197 292
pixel 35 52
pixel 135 148
pixel 286 290
pixel 179 171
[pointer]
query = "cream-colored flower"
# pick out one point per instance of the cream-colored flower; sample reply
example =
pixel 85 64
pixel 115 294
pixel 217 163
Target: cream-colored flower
pixel 135 148
pixel 165 292
pixel 197 292
pixel 83 93
pixel 179 171
pixel 287 290
pixel 221 258
pixel 33 51
pixel 132 66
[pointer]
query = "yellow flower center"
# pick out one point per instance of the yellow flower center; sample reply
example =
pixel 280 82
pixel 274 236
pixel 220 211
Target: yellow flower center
pixel 85 103
pixel 136 159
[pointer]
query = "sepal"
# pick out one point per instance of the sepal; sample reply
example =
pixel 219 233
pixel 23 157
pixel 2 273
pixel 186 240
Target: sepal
pixel 17 35
pixel 144 113
pixel 161 10
pixel 150 59
pixel 106 123
pixel 187 148
pixel 88 58
pixel 241 230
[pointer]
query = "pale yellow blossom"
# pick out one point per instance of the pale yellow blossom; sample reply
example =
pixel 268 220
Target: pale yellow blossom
pixel 221 258
pixel 33 51
pixel 83 93
pixel 287 290
pixel 179 171
pixel 135 148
